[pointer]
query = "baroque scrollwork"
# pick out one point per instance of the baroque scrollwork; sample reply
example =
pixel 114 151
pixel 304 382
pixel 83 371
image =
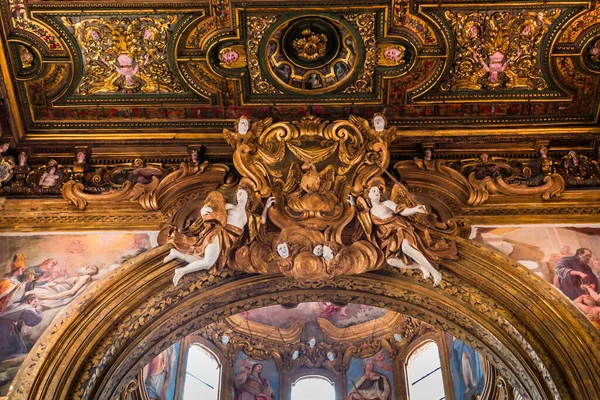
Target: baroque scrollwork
pixel 498 50
pixel 332 176
pixel 125 55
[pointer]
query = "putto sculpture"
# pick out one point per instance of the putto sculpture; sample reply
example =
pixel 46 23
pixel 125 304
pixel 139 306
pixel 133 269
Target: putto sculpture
pixel 311 205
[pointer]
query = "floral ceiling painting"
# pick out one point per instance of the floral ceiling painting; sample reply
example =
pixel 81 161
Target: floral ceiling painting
pixel 43 274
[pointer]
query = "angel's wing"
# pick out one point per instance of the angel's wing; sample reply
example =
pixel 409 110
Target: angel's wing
pixel 327 178
pixel 361 123
pixel 232 138
pixel 293 178
pixel 401 195
pixel 259 126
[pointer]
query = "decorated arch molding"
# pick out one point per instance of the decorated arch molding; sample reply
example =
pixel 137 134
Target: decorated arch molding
pixel 536 338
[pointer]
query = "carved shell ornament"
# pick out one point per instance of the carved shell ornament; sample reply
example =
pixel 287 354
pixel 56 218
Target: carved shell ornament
pixel 303 183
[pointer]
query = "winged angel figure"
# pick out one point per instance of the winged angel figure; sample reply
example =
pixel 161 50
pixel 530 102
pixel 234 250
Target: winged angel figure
pixel 221 227
pixel 395 226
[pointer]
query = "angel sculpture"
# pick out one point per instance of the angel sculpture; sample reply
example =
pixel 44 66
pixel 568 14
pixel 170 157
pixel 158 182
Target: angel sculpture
pixel 378 131
pixel 395 227
pixel 244 132
pixel 208 241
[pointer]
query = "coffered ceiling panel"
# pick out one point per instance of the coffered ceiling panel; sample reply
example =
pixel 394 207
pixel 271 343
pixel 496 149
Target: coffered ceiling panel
pixel 77 70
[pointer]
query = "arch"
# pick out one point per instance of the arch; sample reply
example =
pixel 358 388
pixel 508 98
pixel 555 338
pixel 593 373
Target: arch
pixel 536 338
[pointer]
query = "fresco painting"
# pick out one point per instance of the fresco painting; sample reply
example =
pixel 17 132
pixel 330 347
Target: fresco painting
pixel 370 378
pixel 43 274
pixel 339 316
pixel 160 375
pixel 466 368
pixel 566 257
pixel 255 379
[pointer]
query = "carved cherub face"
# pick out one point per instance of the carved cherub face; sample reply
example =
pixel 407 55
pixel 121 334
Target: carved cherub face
pixel 80 157
pixel 283 250
pixel 327 253
pixel 3 148
pixel 374 194
pixel 428 154
pixel 312 342
pixel 379 123
pixel 544 151
pixel 241 196
pixel 243 126
pixel 526 30
pixel 318 250
pixel 22 159
pixel 147 34
pixel 194 156
pixel 95 35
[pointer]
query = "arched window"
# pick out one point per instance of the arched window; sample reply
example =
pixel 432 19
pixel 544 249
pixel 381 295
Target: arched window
pixel 313 387
pixel 202 374
pixel 424 373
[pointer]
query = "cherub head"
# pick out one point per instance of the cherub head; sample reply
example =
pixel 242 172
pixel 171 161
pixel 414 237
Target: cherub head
pixel 194 156
pixel 474 31
pixel 428 154
pixel 283 250
pixel 243 125
pixel 80 156
pixel 379 122
pixel 22 159
pixel 318 250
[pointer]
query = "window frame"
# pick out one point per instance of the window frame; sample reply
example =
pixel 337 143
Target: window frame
pixel 186 344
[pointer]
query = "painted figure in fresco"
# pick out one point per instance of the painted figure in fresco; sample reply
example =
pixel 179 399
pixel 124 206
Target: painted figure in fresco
pixel 314 81
pixel 589 303
pixel 466 370
pixel 62 291
pixel 572 272
pixel 159 375
pixel 142 174
pixel 371 385
pixel 46 271
pixel 11 288
pixel 216 232
pixel 249 385
pixel 387 224
pixel 49 178
pixel 11 319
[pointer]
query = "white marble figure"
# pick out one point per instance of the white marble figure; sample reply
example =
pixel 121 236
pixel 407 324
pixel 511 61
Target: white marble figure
pixel 384 210
pixel 283 250
pixel 378 123
pixel 236 216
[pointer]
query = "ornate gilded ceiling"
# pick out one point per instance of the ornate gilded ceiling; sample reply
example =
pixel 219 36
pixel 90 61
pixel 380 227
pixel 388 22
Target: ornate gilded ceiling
pixel 125 70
